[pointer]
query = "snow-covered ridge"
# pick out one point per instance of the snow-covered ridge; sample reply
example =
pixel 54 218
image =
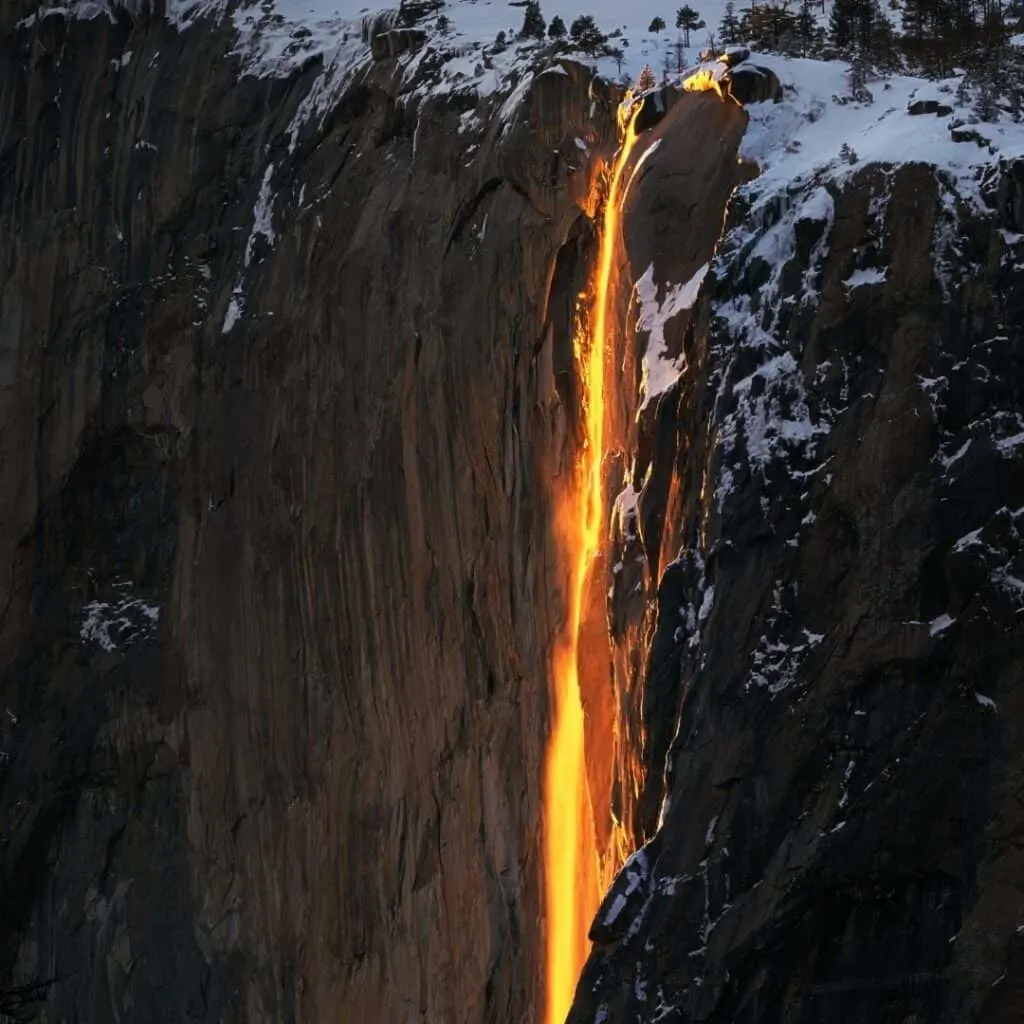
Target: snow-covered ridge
pixel 817 136
pixel 819 125
pixel 270 38
pixel 86 10
pixel 819 130
pixel 471 45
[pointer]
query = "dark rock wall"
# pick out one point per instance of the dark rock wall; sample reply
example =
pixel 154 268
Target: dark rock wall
pixel 840 635
pixel 278 426
pixel 277 589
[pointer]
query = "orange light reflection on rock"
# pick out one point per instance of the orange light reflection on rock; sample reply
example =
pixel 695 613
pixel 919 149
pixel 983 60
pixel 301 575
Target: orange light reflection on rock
pixel 703 81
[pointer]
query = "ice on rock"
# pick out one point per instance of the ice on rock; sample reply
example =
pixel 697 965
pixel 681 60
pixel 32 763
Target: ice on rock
pixel 618 904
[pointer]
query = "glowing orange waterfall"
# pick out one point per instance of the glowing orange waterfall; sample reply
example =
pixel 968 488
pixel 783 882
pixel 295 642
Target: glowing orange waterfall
pixel 570 856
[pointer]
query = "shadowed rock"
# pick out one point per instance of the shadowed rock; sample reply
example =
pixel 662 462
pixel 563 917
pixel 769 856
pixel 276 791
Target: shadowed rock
pixel 277 582
pixel 396 41
pixel 749 83
pixel 929 107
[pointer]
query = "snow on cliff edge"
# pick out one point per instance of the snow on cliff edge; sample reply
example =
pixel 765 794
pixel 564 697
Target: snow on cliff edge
pixel 803 137
pixel 792 139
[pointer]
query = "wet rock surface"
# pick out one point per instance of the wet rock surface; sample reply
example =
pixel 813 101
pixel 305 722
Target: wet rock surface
pixel 387 45
pixel 673 218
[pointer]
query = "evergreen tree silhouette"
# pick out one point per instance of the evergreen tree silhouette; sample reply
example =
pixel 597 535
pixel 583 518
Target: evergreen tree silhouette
pixel 586 35
pixel 533 21
pixel 729 29
pixel 689 21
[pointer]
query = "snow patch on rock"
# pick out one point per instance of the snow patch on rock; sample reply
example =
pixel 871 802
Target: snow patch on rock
pixel 119 622
pixel 660 371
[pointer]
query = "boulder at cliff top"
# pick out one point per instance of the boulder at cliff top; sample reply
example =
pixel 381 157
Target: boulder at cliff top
pixel 749 83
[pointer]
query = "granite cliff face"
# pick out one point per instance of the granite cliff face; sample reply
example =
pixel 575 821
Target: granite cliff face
pixel 278 586
pixel 286 387
pixel 831 740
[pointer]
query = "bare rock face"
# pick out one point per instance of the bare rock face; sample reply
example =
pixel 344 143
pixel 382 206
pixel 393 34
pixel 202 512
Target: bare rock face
pixel 279 408
pixel 838 634
pixel 282 398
